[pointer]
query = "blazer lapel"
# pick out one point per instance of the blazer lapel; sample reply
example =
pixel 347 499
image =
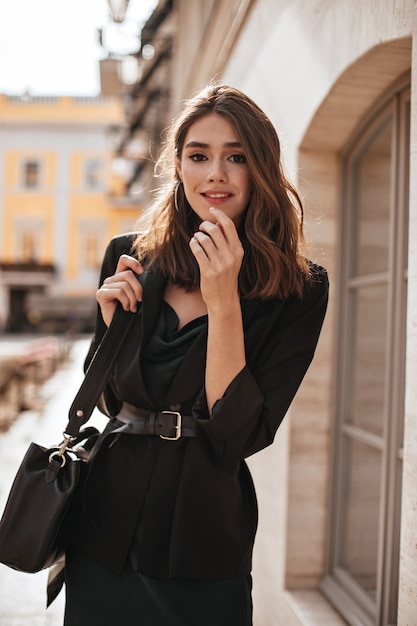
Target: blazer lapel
pixel 153 285
pixel 153 289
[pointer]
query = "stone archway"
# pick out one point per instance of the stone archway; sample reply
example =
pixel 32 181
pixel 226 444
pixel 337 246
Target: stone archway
pixel 356 90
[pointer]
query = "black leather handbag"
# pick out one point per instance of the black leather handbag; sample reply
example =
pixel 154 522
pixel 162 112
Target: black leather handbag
pixel 42 491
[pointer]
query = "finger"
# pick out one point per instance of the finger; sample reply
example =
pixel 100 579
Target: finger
pixel 206 243
pixel 213 231
pixel 210 259
pixel 224 223
pixel 128 262
pixel 199 253
pixel 214 240
pixel 121 291
pixel 220 215
pixel 127 277
pixel 125 280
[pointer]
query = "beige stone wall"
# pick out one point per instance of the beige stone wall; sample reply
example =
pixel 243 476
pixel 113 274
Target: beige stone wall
pixel 207 32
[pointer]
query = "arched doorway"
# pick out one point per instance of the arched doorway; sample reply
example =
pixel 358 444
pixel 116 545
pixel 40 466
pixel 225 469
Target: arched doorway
pixel 356 148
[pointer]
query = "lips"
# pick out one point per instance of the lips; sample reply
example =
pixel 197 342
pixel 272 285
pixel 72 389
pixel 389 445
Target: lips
pixel 217 196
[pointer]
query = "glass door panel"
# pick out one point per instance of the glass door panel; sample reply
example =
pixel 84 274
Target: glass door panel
pixel 367 363
pixel 372 185
pixel 360 518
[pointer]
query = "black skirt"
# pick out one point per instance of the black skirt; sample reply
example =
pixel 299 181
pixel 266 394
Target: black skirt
pixel 98 596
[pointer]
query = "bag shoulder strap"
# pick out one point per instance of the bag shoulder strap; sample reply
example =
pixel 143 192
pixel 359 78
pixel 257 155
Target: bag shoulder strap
pixel 99 370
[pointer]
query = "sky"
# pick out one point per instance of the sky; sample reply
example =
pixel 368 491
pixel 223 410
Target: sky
pixel 51 47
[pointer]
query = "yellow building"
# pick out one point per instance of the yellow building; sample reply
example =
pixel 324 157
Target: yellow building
pixel 60 204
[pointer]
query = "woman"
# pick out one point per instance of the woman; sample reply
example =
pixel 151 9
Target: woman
pixel 228 317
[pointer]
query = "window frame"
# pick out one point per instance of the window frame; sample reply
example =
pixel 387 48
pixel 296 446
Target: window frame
pixel 35 227
pixel 25 163
pixel 338 586
pixel 94 174
pixel 96 229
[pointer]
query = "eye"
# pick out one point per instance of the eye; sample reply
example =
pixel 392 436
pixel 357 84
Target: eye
pixel 197 157
pixel 238 158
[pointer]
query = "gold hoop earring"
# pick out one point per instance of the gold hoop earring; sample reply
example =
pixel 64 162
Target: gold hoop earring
pixel 176 196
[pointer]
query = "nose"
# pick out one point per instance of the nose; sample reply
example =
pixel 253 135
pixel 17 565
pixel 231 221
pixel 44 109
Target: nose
pixel 217 171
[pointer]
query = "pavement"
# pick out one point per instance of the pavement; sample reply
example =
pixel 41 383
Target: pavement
pixel 23 596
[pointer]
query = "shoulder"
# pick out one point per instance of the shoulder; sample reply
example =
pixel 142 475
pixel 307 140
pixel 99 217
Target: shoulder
pixel 314 299
pixel 121 244
pixel 318 282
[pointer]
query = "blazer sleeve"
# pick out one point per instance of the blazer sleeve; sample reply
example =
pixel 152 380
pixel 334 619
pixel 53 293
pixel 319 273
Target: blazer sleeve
pixel 109 403
pixel 246 418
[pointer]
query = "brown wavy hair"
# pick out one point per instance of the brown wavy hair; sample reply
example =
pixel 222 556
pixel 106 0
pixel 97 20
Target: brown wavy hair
pixel 271 230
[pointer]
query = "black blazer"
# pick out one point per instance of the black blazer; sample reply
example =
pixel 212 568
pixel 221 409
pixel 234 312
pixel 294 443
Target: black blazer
pixel 194 497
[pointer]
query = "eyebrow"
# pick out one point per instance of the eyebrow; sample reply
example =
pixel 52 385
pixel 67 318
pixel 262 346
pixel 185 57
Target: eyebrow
pixel 200 144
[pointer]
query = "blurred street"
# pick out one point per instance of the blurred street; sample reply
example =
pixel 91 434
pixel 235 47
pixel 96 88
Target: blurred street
pixel 23 596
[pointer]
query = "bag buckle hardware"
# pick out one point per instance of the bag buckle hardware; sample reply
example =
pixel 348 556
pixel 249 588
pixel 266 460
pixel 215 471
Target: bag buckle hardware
pixel 177 426
pixel 62 448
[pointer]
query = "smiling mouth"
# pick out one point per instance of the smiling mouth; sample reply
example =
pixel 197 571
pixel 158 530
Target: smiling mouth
pixel 215 196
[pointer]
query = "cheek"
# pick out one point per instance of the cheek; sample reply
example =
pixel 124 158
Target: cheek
pixel 247 186
pixel 188 187
pixel 188 175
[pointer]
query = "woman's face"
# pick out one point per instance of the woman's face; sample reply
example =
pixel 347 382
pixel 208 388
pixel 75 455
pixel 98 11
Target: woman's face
pixel 213 168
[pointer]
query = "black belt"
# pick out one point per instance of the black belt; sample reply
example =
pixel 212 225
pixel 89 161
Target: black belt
pixel 169 425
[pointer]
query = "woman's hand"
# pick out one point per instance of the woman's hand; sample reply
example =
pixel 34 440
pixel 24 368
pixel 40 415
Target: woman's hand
pixel 123 286
pixel 219 253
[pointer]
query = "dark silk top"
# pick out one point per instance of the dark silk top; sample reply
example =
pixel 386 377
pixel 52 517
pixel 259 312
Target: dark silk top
pixel 163 353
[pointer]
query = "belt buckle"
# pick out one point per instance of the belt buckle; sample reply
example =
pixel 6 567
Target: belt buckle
pixel 177 426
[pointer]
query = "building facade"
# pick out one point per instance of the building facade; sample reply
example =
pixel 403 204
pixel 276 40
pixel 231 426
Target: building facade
pixel 60 203
pixel 338 489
